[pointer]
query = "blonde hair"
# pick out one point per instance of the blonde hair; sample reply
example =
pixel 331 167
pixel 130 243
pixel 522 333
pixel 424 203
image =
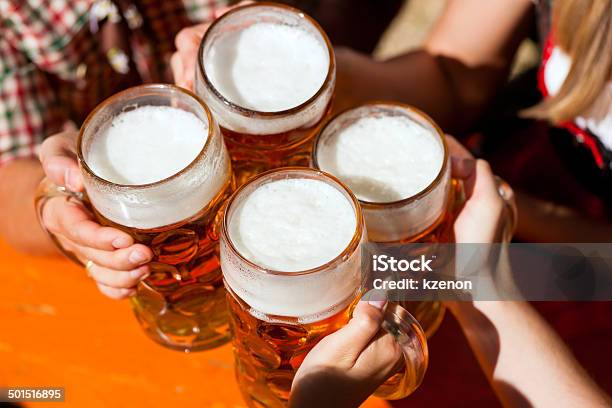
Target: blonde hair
pixel 583 30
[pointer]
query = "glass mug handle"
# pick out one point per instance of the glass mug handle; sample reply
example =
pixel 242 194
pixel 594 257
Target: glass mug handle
pixel 511 211
pixel 411 338
pixel 47 190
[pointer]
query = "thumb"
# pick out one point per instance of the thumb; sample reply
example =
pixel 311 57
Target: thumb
pixel 366 321
pixel 360 330
pixel 58 158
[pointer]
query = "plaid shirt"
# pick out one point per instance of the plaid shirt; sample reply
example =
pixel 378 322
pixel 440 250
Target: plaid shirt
pixel 60 58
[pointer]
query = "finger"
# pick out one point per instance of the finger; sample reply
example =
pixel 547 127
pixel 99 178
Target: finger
pixel 58 158
pixel 71 220
pixel 380 358
pixel 463 163
pixel 118 279
pixel 115 293
pixel 462 168
pixel 183 62
pixel 484 185
pixel 176 64
pixel 485 191
pixel 484 204
pixel 124 259
pixel 474 171
pixel 187 43
pixel 188 84
pixel 189 38
pixel 354 337
pixel 457 149
pixel 366 321
pixel 66 243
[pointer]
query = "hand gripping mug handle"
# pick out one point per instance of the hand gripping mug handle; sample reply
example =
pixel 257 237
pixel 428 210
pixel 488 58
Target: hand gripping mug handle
pixel 411 338
pixel 47 190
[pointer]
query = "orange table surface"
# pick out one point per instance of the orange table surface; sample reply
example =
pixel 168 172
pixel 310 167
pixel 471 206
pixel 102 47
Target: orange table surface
pixel 58 330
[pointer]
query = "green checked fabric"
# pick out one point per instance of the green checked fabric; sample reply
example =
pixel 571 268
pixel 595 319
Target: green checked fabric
pixel 60 58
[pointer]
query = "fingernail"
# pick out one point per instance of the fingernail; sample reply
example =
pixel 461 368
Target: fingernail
pixel 121 242
pixel 137 257
pixel 67 182
pixel 379 304
pixel 71 178
pixel 140 273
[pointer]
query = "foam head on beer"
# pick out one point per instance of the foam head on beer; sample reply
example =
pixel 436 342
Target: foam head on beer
pixel 293 225
pixel 383 158
pixel 287 226
pixel 147 144
pixel 150 144
pixel 268 67
pixel 388 153
pixel 274 65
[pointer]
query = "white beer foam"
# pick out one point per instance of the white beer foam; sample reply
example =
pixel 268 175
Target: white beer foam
pixel 293 225
pixel 146 145
pixel 383 159
pixel 268 67
pixel 386 153
pixel 264 68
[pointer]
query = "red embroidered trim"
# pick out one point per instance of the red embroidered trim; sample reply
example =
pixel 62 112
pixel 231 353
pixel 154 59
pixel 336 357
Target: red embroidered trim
pixel 588 140
pixel 581 135
pixel 548 48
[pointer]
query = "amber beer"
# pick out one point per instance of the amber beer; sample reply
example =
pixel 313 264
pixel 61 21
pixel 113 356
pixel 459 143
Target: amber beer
pixel 154 165
pixel 395 159
pixel 291 259
pixel 267 71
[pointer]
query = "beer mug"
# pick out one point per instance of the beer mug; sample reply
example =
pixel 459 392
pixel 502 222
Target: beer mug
pixel 172 206
pixel 292 264
pixel 267 71
pixel 396 161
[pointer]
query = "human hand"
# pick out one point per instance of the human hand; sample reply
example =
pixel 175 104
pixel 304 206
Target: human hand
pixel 485 218
pixel 114 261
pixel 482 219
pixel 183 62
pixel 347 366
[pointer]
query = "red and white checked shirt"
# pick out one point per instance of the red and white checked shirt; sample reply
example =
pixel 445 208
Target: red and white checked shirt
pixel 60 58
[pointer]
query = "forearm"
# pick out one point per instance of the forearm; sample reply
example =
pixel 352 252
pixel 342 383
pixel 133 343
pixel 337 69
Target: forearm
pixel 414 78
pixel 454 76
pixel 18 221
pixel 523 358
pixel 452 94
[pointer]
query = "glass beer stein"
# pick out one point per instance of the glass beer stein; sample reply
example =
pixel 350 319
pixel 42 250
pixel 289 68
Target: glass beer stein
pixel 291 260
pixel 171 204
pixel 267 71
pixel 396 161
